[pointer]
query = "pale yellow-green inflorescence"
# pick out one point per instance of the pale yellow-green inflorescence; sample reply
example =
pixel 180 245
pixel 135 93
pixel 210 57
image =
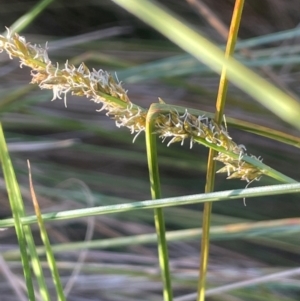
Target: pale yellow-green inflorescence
pixel 100 87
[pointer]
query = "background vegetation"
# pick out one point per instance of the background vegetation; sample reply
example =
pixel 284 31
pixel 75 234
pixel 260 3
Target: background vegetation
pixel 80 159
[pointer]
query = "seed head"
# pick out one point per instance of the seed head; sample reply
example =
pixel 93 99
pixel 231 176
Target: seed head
pixel 99 86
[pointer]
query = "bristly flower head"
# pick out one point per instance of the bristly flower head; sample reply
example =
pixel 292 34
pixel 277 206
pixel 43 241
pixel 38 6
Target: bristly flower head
pixel 100 87
pixel 187 126
pixel 97 85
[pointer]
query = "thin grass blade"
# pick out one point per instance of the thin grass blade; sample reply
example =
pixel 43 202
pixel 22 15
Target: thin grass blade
pixel 27 18
pixel 45 239
pixel 17 208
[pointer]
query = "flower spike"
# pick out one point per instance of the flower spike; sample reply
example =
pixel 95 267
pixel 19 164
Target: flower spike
pixel 99 86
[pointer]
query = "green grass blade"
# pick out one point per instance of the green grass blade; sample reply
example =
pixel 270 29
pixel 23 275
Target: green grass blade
pixel 35 262
pixel 158 213
pixel 36 266
pixel 17 208
pixel 27 18
pixel 264 132
pixel 161 203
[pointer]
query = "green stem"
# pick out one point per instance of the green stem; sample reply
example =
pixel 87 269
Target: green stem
pixel 158 212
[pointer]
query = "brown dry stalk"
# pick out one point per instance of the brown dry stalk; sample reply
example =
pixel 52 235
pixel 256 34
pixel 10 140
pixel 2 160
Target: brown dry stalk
pixel 100 87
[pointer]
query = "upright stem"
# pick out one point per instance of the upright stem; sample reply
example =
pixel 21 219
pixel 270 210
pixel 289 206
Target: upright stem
pixel 158 212
pixel 211 165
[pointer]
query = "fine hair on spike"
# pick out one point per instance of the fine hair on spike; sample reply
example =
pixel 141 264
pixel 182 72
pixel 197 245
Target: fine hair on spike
pixel 249 182
pixel 225 123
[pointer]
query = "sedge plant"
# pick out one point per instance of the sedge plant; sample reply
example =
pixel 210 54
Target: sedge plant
pixel 172 123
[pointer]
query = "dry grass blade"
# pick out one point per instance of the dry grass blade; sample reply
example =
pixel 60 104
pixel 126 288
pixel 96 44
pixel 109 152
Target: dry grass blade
pixel 234 169
pixel 45 239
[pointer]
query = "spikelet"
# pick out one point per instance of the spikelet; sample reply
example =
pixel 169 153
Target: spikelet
pixel 187 126
pixel 99 86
